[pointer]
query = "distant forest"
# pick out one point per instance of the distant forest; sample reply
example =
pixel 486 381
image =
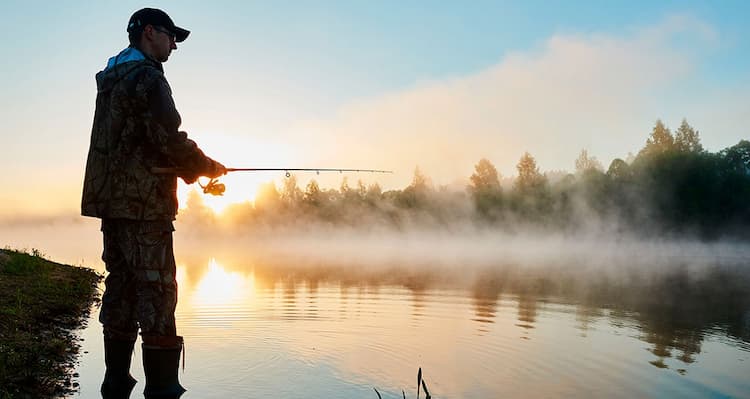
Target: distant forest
pixel 671 187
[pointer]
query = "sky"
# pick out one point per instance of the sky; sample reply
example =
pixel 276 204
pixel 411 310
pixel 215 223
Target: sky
pixel 384 85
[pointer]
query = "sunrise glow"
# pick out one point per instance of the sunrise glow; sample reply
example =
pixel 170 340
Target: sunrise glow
pixel 221 287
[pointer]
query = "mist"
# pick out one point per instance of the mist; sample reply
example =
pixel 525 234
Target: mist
pixel 458 254
pixel 668 225
pixel 689 281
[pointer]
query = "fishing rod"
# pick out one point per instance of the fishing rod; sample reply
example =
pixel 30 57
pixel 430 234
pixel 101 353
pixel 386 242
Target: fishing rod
pixel 213 186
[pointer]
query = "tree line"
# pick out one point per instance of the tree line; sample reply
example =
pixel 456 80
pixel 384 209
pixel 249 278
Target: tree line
pixel 672 186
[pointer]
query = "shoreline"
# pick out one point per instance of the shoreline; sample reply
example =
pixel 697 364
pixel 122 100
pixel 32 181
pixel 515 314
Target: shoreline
pixel 44 304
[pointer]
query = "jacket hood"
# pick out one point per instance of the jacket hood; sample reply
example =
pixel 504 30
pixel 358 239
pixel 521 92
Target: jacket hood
pixel 119 66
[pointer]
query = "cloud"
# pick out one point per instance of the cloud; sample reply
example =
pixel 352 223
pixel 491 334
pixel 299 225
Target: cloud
pixel 574 91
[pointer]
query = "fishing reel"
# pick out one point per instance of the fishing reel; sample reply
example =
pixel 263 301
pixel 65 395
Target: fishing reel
pixel 213 187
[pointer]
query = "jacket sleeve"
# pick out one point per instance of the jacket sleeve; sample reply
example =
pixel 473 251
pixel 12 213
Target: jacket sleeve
pixel 162 130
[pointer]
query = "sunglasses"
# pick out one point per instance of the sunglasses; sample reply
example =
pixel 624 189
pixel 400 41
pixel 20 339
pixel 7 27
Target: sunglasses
pixel 171 35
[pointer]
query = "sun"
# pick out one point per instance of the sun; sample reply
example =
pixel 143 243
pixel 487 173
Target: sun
pixel 239 190
pixel 237 151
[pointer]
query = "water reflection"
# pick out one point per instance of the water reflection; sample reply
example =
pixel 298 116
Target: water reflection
pixel 218 287
pixel 341 316
pixel 586 316
pixel 311 310
pixel 485 294
pixel 673 311
pixel 417 302
pixel 339 340
pixel 254 323
pixel 288 299
pixel 343 301
pixel 526 311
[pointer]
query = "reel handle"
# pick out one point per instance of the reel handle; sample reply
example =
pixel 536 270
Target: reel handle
pixel 213 187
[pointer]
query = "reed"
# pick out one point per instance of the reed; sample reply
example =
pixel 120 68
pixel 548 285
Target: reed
pixel 420 384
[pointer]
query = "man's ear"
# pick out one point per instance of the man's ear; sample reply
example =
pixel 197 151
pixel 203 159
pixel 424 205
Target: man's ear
pixel 149 32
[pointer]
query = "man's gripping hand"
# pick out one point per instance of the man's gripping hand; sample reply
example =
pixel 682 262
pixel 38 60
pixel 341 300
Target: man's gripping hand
pixel 211 169
pixel 216 169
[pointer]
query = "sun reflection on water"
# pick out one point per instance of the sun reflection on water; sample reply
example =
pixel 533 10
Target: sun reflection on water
pixel 495 337
pixel 219 287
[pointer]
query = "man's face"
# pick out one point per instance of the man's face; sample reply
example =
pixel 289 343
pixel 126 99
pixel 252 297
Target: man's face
pixel 163 42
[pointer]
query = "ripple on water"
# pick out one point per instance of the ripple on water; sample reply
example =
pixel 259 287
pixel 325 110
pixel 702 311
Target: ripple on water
pixel 492 344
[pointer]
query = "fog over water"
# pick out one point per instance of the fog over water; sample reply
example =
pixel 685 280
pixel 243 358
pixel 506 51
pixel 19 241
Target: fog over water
pixel 456 256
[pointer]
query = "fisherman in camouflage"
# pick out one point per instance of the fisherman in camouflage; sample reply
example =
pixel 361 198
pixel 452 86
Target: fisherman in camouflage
pixel 136 129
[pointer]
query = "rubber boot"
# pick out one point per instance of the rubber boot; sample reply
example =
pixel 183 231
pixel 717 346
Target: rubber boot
pixel 118 383
pixel 161 362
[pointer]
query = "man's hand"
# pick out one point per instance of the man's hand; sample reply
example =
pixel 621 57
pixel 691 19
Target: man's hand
pixel 216 170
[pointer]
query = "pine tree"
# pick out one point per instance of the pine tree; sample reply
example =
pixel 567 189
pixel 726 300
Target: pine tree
pixel 687 139
pixel 660 141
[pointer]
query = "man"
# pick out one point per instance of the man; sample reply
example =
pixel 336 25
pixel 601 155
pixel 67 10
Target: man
pixel 135 130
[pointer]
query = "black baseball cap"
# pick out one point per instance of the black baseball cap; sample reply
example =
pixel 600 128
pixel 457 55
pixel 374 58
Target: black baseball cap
pixel 155 17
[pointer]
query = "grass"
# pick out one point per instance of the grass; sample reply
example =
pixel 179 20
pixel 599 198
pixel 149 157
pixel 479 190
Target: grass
pixel 420 383
pixel 42 302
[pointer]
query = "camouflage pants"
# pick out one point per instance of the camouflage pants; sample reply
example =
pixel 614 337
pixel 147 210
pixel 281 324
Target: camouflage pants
pixel 140 288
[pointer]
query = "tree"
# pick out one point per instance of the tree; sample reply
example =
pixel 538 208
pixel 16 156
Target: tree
pixel 361 189
pixel 531 194
pixel 348 195
pixel 374 193
pixel 420 182
pixel 485 187
pixel 485 178
pixel 585 163
pixel 738 157
pixel 687 139
pixel 735 192
pixel 344 188
pixel 528 174
pixel 619 170
pixel 313 196
pixel 415 195
pixel 290 193
pixel 660 141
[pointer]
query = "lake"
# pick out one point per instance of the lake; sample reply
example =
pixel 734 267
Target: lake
pixel 524 318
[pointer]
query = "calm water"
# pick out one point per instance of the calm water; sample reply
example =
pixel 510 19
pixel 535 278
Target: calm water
pixel 546 321
pixel 254 332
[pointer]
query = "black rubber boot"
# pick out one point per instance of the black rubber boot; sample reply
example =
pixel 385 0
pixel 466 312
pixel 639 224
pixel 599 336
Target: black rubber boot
pixel 118 383
pixel 161 365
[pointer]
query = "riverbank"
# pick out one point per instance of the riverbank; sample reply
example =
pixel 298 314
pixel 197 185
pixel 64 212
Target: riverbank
pixel 41 305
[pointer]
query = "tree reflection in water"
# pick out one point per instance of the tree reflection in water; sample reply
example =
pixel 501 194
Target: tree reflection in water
pixel 673 310
pixel 485 294
pixel 586 315
pixel 526 311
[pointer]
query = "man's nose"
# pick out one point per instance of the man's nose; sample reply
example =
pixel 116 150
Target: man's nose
pixel 173 45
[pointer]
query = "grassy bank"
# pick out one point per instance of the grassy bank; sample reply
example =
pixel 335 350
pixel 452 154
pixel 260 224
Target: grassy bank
pixel 41 303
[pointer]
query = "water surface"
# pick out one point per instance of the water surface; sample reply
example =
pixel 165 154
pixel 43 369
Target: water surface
pixel 484 315
pixel 256 331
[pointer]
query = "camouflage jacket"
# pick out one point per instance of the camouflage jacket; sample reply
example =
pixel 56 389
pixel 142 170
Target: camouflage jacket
pixel 135 129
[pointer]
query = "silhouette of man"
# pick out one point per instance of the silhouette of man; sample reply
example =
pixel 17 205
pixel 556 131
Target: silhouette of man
pixel 136 129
